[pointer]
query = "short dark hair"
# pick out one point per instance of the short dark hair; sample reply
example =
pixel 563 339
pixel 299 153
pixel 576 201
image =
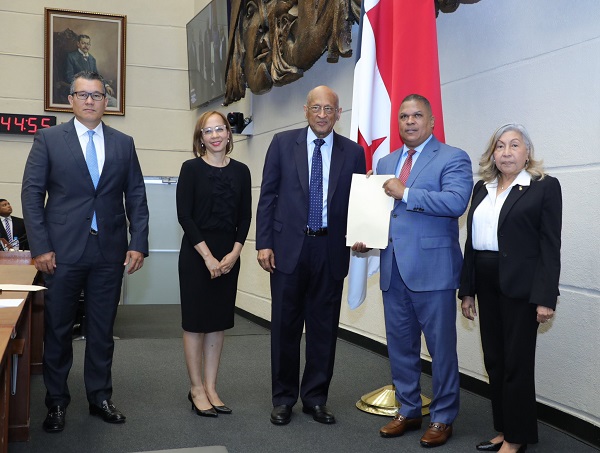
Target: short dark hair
pixel 418 98
pixel 87 75
pixel 80 37
pixel 3 199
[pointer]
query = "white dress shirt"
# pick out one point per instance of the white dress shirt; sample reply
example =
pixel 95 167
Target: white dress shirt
pixel 487 214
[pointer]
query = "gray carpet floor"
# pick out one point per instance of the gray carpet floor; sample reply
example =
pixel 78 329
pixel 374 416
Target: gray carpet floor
pixel 151 385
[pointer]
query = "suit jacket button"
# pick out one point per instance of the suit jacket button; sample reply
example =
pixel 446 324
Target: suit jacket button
pixel 390 239
pixel 504 254
pixel 394 215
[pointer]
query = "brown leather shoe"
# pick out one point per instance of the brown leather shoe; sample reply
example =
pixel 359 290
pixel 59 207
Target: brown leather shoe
pixel 437 434
pixel 399 424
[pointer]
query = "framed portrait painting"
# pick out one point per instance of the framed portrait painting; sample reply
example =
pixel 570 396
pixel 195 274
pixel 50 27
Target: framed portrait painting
pixel 78 41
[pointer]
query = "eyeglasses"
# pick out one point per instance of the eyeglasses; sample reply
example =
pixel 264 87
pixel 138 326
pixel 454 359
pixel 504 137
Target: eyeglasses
pixel 327 109
pixel 83 95
pixel 218 129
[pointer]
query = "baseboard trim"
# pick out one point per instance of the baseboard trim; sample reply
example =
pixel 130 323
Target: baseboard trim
pixel 567 423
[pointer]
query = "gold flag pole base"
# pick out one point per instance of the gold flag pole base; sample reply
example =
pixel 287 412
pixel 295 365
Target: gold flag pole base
pixel 383 402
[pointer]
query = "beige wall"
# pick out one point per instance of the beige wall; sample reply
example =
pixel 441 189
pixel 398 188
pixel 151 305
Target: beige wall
pixel 157 109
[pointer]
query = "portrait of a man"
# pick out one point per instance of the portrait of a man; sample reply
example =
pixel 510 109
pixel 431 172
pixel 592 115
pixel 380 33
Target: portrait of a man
pixel 76 42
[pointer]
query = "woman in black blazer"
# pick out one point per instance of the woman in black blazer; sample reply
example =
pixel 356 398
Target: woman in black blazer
pixel 512 265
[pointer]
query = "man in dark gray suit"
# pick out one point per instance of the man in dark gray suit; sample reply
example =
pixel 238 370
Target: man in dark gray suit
pixel 301 224
pixel 94 186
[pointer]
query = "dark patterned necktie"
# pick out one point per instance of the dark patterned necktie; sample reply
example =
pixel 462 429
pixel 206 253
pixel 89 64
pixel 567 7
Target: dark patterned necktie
pixel 315 192
pixel 406 167
pixel 9 236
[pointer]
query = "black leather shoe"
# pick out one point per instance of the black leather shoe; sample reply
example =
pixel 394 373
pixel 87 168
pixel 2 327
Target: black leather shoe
pixel 108 412
pixel 320 414
pixel 212 412
pixel 281 415
pixel 55 420
pixel 489 446
pixel 222 409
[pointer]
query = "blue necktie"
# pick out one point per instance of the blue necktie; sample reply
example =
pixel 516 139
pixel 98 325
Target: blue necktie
pixel 92 163
pixel 315 192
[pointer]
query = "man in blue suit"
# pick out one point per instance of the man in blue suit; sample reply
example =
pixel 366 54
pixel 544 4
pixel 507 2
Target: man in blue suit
pixel 421 266
pixel 305 251
pixel 94 186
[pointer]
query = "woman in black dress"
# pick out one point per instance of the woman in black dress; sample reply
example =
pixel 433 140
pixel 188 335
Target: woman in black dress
pixel 214 210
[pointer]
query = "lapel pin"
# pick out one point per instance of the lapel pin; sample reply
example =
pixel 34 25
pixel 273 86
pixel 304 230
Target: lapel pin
pixel 520 187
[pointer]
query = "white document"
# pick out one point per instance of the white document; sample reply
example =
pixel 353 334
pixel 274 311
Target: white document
pixel 24 288
pixel 8 303
pixel 369 211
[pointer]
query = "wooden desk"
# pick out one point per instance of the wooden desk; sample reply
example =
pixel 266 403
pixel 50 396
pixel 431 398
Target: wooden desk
pixel 5 361
pixel 19 320
pixel 37 308
pixel 23 257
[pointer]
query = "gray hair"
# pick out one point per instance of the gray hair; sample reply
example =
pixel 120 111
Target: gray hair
pixel 487 167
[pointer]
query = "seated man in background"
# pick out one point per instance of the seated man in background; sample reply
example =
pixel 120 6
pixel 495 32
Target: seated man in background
pixel 12 227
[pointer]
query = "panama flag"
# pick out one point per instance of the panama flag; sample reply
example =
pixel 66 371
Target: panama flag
pixel 397 55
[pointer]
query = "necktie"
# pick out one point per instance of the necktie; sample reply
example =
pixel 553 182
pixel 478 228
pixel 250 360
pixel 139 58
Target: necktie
pixel 9 236
pixel 315 192
pixel 92 163
pixel 406 166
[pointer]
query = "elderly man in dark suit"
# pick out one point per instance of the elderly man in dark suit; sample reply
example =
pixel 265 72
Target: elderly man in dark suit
pixel 94 186
pixel 300 238
pixel 12 227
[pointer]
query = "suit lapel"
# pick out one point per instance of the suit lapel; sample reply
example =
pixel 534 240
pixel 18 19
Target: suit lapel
pixel 428 153
pixel 479 193
pixel 337 162
pixel 74 147
pixel 301 158
pixel 109 157
pixel 515 194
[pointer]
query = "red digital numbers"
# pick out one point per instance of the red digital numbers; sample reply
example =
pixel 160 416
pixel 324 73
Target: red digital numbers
pixel 20 122
pixel 5 122
pixel 14 123
pixel 32 123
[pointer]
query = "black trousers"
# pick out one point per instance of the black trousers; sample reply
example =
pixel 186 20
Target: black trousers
pixel 101 282
pixel 309 296
pixel 508 336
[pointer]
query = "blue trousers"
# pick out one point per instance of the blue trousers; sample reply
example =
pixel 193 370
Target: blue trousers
pixel 407 314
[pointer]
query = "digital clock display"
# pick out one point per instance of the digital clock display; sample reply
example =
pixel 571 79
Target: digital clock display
pixel 15 123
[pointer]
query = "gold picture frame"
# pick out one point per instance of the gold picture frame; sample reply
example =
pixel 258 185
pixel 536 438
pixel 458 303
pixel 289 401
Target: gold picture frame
pixel 104 40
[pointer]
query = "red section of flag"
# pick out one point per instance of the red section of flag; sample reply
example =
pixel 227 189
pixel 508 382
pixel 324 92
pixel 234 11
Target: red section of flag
pixel 398 56
pixel 369 149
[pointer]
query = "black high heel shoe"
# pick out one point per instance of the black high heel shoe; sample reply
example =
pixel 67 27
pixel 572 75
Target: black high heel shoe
pixel 202 412
pixel 222 409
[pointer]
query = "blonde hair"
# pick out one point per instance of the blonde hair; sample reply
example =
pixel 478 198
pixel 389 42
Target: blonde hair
pixel 487 166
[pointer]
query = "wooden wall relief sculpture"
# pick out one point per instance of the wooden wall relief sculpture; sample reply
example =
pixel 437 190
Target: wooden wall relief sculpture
pixel 272 42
